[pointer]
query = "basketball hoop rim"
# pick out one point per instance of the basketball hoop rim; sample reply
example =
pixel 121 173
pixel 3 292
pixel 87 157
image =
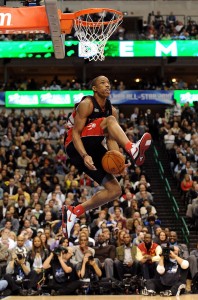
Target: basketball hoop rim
pixel 89 11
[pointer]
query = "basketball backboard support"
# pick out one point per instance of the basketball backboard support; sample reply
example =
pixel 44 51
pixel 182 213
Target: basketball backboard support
pixel 58 39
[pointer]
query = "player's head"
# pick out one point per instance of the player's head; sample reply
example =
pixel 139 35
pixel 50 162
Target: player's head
pixel 97 80
pixel 101 85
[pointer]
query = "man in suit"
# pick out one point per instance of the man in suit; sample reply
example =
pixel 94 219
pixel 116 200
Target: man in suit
pixel 11 188
pixel 128 258
pixel 20 208
pixel 4 205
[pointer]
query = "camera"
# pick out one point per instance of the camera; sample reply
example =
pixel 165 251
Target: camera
pixel 166 251
pixel 19 256
pixel 90 258
pixel 60 249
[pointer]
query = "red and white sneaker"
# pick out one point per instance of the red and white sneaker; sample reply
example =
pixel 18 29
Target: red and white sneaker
pixel 68 220
pixel 137 151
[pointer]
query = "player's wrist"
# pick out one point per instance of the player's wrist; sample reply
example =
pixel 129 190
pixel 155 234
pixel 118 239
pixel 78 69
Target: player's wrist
pixel 84 155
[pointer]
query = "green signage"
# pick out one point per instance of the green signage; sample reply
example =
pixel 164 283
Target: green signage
pixel 43 99
pixel 183 96
pixel 44 49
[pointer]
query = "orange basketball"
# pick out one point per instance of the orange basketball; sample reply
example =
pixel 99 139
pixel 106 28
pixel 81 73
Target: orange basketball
pixel 113 162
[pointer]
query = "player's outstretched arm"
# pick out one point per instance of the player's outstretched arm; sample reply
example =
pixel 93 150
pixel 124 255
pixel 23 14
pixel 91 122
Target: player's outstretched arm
pixel 84 109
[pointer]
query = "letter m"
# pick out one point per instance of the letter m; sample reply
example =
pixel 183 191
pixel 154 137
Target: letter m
pixel 5 19
pixel 160 50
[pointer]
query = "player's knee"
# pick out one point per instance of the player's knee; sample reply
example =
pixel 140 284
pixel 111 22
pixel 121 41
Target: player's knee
pixel 117 191
pixel 110 120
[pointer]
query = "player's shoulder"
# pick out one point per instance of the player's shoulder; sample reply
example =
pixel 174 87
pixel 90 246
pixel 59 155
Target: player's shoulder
pixel 87 100
pixel 85 106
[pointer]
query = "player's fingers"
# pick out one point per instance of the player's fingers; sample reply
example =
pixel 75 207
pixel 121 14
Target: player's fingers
pixel 90 166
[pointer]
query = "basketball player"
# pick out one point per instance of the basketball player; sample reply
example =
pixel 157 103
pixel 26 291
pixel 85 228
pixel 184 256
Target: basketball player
pixel 93 120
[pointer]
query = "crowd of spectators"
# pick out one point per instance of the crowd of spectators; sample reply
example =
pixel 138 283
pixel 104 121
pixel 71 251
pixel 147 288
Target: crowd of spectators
pixel 56 84
pixel 180 137
pixel 36 179
pixel 171 27
pixel 179 134
pixel 156 27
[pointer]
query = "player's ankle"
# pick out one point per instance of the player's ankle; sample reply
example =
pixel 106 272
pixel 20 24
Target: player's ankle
pixel 128 146
pixel 79 210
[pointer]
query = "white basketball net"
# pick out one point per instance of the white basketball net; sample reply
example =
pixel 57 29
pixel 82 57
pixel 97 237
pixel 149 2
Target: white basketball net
pixel 94 38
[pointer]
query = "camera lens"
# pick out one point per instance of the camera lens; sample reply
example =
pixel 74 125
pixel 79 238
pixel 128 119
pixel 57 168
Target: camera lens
pixel 19 256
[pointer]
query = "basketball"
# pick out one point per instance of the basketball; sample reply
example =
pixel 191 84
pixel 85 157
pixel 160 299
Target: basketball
pixel 113 162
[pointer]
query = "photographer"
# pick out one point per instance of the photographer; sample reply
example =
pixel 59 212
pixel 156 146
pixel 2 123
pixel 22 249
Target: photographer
pixel 88 268
pixel 171 275
pixel 18 276
pixel 61 271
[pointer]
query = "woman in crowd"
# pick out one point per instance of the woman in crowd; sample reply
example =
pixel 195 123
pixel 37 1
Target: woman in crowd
pixel 37 255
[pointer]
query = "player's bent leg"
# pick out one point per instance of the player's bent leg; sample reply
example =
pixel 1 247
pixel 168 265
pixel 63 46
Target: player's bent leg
pixel 135 150
pixel 111 191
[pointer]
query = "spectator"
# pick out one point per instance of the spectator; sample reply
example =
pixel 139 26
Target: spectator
pixel 6 239
pixel 171 276
pixel 11 188
pixel 59 194
pixel 151 256
pixel 84 229
pixel 143 194
pixel 118 217
pixel 173 241
pixel 147 210
pixel 161 238
pixel 106 255
pixel 4 256
pixel 186 185
pixel 139 239
pixel 62 270
pixel 80 249
pixel 23 161
pixel 111 210
pixel 9 218
pixel 88 268
pixel 18 269
pixel 127 258
pixel 152 226
pixel 55 86
pixel 169 140
pixel 171 19
pixel 36 256
pixel 4 206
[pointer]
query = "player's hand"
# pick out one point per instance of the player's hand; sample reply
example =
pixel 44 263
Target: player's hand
pixel 88 161
pixel 124 170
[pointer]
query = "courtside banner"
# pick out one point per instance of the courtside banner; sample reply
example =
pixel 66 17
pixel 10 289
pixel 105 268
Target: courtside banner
pixel 51 99
pixel 142 97
pixel 67 99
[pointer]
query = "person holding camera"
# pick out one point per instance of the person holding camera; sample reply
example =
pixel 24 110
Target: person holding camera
pixel 88 271
pixel 171 275
pixel 61 272
pixel 18 275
